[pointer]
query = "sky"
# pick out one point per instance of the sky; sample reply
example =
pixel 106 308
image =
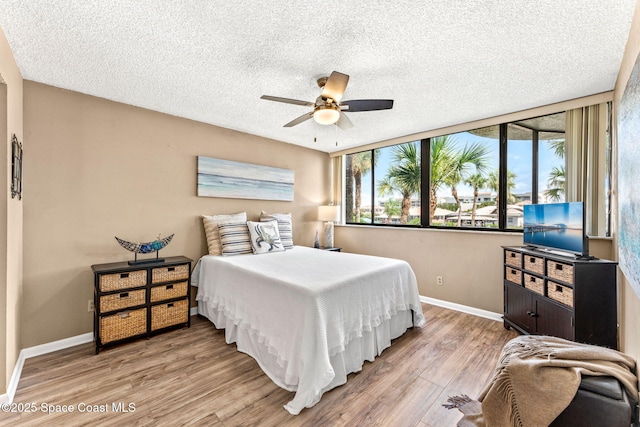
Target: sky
pixel 518 161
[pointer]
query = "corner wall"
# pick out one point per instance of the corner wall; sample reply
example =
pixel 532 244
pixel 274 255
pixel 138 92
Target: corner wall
pixel 98 169
pixel 10 218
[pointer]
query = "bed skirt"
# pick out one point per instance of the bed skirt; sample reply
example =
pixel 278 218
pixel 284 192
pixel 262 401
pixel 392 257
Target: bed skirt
pixel 357 351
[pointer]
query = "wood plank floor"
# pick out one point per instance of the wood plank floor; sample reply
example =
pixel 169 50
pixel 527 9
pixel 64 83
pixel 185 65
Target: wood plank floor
pixel 192 377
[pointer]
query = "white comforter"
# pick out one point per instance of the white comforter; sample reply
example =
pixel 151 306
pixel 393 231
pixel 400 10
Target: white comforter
pixel 305 305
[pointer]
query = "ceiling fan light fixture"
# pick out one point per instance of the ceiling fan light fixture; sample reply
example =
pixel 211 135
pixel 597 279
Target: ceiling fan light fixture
pixel 326 114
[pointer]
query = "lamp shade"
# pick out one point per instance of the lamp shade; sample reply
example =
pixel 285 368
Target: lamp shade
pixel 326 115
pixel 329 213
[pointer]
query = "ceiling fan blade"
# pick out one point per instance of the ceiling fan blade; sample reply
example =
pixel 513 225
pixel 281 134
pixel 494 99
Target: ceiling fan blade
pixel 335 86
pixel 343 122
pixel 299 120
pixel 288 100
pixel 366 105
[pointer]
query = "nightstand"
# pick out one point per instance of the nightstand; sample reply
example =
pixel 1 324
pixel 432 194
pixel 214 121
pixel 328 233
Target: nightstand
pixel 137 301
pixel 331 249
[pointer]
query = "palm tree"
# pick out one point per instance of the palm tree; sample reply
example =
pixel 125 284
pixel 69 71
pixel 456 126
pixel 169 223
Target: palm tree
pixel 360 165
pixel 476 155
pixel 556 184
pixel 493 182
pixel 403 176
pixel 392 208
pixel 442 158
pixel 558 147
pixel 476 181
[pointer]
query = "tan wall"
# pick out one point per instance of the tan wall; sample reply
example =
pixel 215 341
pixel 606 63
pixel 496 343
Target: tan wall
pixel 470 262
pixel 98 169
pixel 629 302
pixel 10 219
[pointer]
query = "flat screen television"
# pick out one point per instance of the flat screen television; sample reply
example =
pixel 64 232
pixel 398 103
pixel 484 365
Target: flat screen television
pixel 556 226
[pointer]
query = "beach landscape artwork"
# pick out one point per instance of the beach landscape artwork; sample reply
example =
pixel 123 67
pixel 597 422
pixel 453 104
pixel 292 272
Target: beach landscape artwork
pixel 628 179
pixel 238 180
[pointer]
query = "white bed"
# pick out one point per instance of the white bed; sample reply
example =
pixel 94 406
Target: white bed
pixel 308 317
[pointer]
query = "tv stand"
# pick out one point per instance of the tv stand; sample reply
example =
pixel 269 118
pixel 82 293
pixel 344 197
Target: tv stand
pixel 565 296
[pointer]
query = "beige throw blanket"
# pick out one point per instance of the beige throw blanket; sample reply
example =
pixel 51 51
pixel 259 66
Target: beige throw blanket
pixel 537 377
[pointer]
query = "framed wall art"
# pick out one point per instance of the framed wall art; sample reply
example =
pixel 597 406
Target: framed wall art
pixel 628 178
pixel 238 180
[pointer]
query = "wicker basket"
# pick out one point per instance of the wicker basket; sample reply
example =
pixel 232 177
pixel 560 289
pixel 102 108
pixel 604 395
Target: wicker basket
pixel 560 293
pixel 167 274
pixel 122 300
pixel 513 275
pixel 169 314
pixel 513 258
pixel 533 283
pixel 131 279
pixel 560 271
pixel 534 264
pixel 123 325
pixel 173 290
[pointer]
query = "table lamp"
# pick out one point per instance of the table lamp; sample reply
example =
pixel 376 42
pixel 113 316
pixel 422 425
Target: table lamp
pixel 329 214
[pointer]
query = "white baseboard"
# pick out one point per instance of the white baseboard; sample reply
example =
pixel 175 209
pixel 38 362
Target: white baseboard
pixel 39 350
pixel 463 308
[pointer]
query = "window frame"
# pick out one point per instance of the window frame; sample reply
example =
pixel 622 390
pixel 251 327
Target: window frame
pixel 425 153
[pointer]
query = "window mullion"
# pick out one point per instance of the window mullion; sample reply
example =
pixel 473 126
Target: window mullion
pixel 502 187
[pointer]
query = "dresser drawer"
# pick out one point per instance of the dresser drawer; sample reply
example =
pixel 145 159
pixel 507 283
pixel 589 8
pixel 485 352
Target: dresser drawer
pixel 117 281
pixel 122 300
pixel 169 314
pixel 168 274
pixel 513 275
pixel 533 283
pixel 513 258
pixel 534 264
pixel 560 271
pixel 164 292
pixel 561 293
pixel 123 325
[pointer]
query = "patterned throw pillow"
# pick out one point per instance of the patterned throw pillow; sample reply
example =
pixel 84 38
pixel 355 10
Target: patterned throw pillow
pixel 284 227
pixel 265 237
pixel 234 237
pixel 211 222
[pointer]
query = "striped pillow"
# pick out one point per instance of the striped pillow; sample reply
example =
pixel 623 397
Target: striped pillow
pixel 234 237
pixel 211 222
pixel 285 227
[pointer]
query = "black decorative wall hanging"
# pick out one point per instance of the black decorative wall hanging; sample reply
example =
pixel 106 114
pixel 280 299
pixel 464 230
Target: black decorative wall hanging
pixel 16 168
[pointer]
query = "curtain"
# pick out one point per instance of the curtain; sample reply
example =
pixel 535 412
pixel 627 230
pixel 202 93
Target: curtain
pixel 586 163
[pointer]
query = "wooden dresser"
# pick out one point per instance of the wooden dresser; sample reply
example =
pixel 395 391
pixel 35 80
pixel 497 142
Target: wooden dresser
pixel 134 301
pixel 571 298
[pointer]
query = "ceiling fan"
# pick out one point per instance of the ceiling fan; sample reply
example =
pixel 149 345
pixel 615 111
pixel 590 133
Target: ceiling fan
pixel 327 109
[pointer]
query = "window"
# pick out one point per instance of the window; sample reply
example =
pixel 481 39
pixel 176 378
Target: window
pixel 398 178
pixel 464 179
pixel 478 179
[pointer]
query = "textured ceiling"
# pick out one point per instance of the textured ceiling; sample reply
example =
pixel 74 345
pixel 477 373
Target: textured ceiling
pixel 443 62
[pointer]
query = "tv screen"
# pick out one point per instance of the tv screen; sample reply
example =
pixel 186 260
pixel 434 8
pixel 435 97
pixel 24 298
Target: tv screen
pixel 556 226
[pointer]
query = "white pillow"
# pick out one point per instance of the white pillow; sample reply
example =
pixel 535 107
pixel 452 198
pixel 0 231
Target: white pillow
pixel 234 238
pixel 211 222
pixel 285 227
pixel 265 237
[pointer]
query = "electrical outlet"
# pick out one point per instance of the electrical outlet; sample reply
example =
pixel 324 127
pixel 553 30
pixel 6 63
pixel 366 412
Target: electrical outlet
pixel 439 280
pixel 90 306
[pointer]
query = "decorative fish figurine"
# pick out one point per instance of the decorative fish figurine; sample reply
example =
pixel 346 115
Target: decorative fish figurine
pixel 147 247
